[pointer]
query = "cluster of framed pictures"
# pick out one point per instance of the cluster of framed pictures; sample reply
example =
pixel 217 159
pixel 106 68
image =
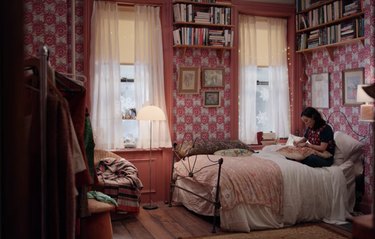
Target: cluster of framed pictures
pixel 320 87
pixel 191 80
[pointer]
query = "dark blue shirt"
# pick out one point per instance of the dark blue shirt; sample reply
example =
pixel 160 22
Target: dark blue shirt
pixel 323 134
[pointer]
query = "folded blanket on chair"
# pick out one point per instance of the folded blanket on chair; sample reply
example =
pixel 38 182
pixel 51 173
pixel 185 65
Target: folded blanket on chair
pixel 121 182
pixel 101 197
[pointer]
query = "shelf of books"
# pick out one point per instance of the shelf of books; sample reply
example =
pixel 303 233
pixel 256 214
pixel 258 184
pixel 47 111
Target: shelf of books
pixel 202 24
pixel 323 24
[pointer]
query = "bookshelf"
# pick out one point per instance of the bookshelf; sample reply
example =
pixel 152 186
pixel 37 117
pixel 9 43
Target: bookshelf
pixel 202 24
pixel 328 24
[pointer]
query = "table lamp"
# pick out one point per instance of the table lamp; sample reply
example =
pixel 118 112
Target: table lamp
pixel 367 109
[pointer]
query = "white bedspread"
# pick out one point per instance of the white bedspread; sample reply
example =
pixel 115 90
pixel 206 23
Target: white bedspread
pixel 310 194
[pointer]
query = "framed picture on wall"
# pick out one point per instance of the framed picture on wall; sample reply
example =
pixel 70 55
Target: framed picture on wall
pixel 351 79
pixel 211 98
pixel 320 90
pixel 188 80
pixel 212 78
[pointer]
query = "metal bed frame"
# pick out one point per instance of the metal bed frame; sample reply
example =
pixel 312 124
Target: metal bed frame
pixel 189 163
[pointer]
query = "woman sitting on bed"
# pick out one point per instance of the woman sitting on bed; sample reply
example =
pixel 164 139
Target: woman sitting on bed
pixel 318 136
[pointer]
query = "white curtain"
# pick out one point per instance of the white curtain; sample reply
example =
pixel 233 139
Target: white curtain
pixel 105 75
pixel 247 79
pixel 278 80
pixel 149 74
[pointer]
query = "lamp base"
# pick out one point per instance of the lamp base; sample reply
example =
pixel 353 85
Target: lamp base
pixel 367 113
pixel 150 207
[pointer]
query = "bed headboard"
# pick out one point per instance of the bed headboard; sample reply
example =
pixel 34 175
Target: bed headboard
pixel 201 146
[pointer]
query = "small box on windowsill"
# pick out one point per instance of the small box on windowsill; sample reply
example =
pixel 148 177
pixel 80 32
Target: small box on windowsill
pixel 269 141
pixel 269 138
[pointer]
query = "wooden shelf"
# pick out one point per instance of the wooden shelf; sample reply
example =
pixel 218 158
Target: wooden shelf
pixel 330 48
pixel 213 21
pixel 342 19
pixel 216 4
pixel 207 25
pixel 316 5
pixel 203 46
pixel 346 19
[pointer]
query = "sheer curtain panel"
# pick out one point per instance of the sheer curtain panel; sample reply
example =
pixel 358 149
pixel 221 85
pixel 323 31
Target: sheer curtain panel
pixel 149 74
pixel 279 83
pixel 105 76
pixel 247 79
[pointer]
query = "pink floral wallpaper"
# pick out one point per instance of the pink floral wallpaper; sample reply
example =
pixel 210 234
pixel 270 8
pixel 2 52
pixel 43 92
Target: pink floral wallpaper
pixel 346 118
pixel 192 119
pixel 49 22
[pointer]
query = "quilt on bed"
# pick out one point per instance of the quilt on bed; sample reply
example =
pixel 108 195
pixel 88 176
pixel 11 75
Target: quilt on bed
pixel 266 191
pixel 248 180
pixel 121 182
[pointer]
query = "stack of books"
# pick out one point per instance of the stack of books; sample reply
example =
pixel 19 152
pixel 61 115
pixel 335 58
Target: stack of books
pixel 351 8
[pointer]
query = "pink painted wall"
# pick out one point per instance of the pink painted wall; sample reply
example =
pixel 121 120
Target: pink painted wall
pixel 349 57
pixel 191 118
pixel 49 22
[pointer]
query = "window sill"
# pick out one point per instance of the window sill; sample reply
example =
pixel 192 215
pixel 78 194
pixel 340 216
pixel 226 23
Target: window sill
pixel 137 149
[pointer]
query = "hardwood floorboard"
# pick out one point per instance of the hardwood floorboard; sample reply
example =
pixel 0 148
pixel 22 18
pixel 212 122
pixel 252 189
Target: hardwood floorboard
pixel 165 222
pixel 119 231
pixel 154 226
pixel 189 221
pixel 169 223
pixel 137 229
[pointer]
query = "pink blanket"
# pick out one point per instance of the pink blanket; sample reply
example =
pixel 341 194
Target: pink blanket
pixel 248 180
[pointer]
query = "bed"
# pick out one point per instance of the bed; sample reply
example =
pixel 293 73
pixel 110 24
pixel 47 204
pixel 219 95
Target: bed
pixel 259 190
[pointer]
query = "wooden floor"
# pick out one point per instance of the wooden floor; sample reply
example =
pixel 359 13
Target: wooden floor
pixel 162 223
pixel 165 222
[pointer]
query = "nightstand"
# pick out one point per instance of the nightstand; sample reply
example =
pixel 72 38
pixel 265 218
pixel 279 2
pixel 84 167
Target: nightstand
pixel 364 227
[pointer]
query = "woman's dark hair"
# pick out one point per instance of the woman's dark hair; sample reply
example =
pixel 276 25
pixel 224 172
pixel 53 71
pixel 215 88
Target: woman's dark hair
pixel 312 113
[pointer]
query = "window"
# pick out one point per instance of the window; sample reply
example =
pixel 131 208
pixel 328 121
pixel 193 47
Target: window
pixel 263 77
pixel 128 111
pixel 127 89
pixel 263 114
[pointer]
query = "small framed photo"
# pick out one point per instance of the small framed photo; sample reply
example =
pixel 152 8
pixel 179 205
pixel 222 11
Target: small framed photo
pixel 351 79
pixel 212 77
pixel 188 80
pixel 320 90
pixel 212 98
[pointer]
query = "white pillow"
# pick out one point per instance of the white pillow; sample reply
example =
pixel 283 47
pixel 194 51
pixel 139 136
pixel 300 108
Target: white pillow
pixel 292 138
pixel 347 148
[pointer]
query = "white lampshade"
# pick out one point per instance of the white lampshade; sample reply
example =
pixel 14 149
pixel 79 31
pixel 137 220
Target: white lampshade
pixel 362 96
pixel 366 110
pixel 150 112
